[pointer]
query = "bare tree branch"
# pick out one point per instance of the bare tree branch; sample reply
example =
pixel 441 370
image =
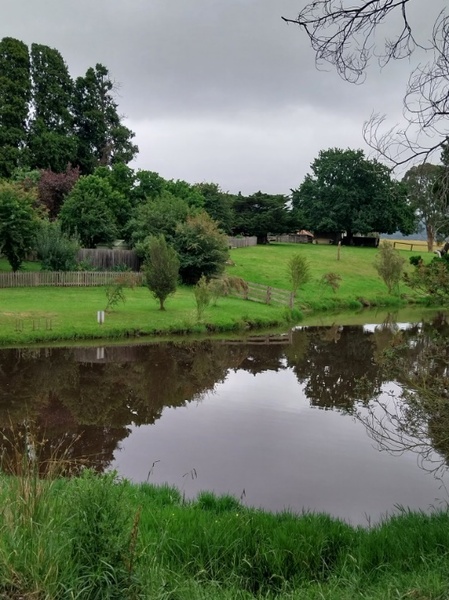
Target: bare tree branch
pixel 347 37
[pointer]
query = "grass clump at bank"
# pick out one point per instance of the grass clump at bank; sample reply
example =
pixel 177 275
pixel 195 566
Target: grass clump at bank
pixel 97 537
pixel 38 314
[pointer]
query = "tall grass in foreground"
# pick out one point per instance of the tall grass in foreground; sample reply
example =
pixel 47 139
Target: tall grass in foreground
pixel 97 537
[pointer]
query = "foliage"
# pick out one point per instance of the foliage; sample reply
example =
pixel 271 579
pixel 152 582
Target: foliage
pixel 298 269
pixel 90 210
pixel 156 216
pixel 93 534
pixel 148 184
pixel 202 296
pixel 429 197
pixel 218 205
pixel 18 223
pixel 332 280
pixel 202 248
pixel 224 285
pixel 102 137
pixel 53 188
pixel 161 269
pixel 191 194
pixel 15 94
pixel 431 280
pixel 51 137
pixel 100 534
pixel 115 293
pixel 47 121
pixel 346 192
pixel 56 250
pixel 415 260
pixel 28 178
pixel 389 264
pixel 261 214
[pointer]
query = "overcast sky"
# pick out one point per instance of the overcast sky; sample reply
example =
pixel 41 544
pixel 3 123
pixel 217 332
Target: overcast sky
pixel 217 90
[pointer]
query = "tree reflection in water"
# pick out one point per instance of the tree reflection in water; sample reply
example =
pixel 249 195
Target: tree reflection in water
pixel 413 414
pixel 84 400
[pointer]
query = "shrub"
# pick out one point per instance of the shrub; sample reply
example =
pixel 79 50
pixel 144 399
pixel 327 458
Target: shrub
pixel 18 223
pixel 202 248
pixel 431 280
pixel 331 280
pixel 224 285
pixel 55 249
pixel 389 264
pixel 415 260
pixel 202 297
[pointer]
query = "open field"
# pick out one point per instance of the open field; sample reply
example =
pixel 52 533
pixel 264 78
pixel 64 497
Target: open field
pixel 96 537
pixel 359 279
pixel 30 315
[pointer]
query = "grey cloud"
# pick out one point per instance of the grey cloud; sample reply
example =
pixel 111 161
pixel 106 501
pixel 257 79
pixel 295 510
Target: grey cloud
pixel 218 90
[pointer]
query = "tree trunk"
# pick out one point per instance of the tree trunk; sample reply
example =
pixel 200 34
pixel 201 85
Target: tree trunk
pixel 161 304
pixel 430 237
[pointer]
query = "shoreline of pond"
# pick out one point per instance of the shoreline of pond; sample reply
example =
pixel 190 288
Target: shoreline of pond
pixel 96 531
pixel 28 325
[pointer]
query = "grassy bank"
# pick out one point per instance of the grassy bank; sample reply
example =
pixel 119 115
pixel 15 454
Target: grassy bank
pixel 93 537
pixel 30 315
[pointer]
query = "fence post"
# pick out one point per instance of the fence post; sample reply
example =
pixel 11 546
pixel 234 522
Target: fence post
pixel 268 295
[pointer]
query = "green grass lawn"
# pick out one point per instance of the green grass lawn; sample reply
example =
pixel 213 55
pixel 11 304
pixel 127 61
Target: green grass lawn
pixel 47 314
pixel 359 279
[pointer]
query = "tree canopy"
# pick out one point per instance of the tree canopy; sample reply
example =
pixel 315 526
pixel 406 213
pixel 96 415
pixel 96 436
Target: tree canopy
pixel 18 223
pixel 429 199
pixel 261 214
pixel 348 192
pixel 48 121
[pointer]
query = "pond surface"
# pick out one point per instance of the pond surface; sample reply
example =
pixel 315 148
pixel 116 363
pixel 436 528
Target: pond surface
pixel 304 420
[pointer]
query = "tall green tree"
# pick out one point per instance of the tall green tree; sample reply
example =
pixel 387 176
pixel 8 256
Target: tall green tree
pixel 430 199
pixel 91 211
pixel 159 216
pixel 18 223
pixel 102 137
pixel 52 143
pixel 347 192
pixel 161 269
pixel 15 95
pixel 218 204
pixel 261 214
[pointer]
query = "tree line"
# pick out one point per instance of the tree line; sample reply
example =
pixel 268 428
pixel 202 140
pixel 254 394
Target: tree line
pixel 65 180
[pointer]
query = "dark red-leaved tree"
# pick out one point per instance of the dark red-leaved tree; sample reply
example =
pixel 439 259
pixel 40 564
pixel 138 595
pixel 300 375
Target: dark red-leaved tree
pixel 54 187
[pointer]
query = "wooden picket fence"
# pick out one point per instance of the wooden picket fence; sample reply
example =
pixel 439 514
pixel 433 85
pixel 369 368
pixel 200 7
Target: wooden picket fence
pixel 242 242
pixel 265 294
pixel 62 278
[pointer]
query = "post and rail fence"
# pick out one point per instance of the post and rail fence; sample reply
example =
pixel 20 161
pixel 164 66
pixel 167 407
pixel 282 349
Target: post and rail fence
pixel 265 294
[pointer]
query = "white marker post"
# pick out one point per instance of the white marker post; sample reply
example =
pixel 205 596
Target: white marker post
pixel 100 317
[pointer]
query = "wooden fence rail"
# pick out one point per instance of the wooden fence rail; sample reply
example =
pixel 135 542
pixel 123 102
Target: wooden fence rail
pixel 265 294
pixel 422 246
pixel 60 278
